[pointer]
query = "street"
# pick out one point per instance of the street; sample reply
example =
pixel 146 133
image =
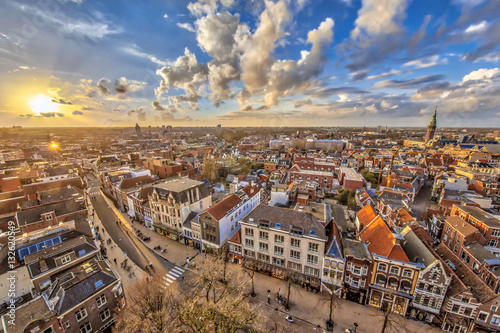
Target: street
pixel 126 240
pixel 422 201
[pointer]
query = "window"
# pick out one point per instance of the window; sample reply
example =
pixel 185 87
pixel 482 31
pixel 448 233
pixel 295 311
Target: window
pixel 101 301
pixel 66 258
pixel 86 328
pixel 407 273
pixel 263 246
pixel 364 270
pixel 264 235
pixel 279 239
pixel 81 314
pixel 278 261
pixel 48 330
pixel 493 243
pixel 483 316
pixel 380 280
pixel 294 254
pixel 311 271
pixel 312 259
pixel 494 308
pixel 467 312
pixel 105 314
pixel 455 308
pixel 313 247
pixel 325 272
pixel 248 232
pixel 248 242
pixel 394 270
pixel 294 266
pixel 295 243
pixel 66 324
pixel 278 250
pixel 263 257
pixel 466 300
pixel 48 216
pixel 437 290
pixel 382 267
pixel 496 233
pixel 249 253
pixel 434 276
pixel 495 321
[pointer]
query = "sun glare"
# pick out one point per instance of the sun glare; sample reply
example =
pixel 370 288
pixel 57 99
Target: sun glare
pixel 41 104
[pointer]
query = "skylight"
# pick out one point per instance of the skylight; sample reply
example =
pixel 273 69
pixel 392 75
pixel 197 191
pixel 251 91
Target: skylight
pixel 98 284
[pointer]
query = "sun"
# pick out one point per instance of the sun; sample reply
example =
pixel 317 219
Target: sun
pixel 41 104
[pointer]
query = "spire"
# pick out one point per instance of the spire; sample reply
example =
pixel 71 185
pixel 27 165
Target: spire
pixel 433 120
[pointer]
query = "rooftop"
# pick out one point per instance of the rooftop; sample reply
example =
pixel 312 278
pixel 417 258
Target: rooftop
pixel 286 219
pixel 461 225
pixel 487 218
pixel 179 184
pixel 356 249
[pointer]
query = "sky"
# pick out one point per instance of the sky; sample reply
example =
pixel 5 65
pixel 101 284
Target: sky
pixel 250 63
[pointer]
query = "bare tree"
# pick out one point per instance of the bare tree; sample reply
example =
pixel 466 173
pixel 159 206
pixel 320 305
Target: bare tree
pixel 251 275
pixel 149 308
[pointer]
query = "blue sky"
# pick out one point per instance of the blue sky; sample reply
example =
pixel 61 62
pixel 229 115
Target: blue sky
pixel 250 63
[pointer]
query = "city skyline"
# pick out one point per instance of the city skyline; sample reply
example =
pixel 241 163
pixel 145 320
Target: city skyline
pixel 261 63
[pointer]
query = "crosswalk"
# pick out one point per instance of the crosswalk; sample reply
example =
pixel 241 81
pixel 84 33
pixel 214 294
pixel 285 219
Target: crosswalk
pixel 172 275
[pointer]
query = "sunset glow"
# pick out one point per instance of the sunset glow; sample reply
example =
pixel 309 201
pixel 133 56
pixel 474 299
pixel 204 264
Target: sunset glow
pixel 42 104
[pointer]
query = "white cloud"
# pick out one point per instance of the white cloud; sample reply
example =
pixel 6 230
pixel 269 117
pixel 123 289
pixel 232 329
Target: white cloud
pixel 134 51
pixel 477 28
pixel 93 28
pixel 426 62
pixel 482 74
pixel 186 26
pixel 165 16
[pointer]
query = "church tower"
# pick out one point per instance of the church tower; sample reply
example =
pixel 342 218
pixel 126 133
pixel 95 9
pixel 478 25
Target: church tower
pixel 138 130
pixel 431 128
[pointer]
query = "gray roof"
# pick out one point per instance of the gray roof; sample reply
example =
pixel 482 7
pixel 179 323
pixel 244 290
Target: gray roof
pixel 415 250
pixel 178 189
pixel 356 249
pixel 481 254
pixel 287 218
pixel 33 215
pixel 491 220
pixel 58 194
pixel 75 245
pixel 189 218
pixel 179 184
pixel 74 285
pixel 340 215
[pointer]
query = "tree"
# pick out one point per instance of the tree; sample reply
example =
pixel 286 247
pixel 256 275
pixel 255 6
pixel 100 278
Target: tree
pixel 210 304
pixel 202 303
pixel 149 308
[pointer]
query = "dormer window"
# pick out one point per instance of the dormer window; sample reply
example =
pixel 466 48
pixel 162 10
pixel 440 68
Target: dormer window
pixel 47 216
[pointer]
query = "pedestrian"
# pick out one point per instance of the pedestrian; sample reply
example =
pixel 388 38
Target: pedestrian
pixel 268 297
pixel 114 260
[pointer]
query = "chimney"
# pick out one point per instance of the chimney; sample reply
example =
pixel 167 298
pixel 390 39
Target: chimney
pixel 249 182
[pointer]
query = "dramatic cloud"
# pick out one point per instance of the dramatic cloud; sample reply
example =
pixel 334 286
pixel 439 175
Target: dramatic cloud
pixel 140 112
pixel 21 68
pixel 156 105
pixel 378 32
pixel 61 101
pixel 408 84
pixel 77 113
pixel 123 86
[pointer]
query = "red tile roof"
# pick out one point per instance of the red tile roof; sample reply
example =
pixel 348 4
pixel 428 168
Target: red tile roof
pixel 236 237
pixel 380 240
pixel 251 190
pixel 220 209
pixel 366 215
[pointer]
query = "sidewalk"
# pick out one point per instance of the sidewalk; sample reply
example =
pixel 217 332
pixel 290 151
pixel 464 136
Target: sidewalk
pixel 176 252
pixel 129 278
pixel 314 309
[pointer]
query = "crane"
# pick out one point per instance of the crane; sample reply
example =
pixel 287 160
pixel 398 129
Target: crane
pixel 390 169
